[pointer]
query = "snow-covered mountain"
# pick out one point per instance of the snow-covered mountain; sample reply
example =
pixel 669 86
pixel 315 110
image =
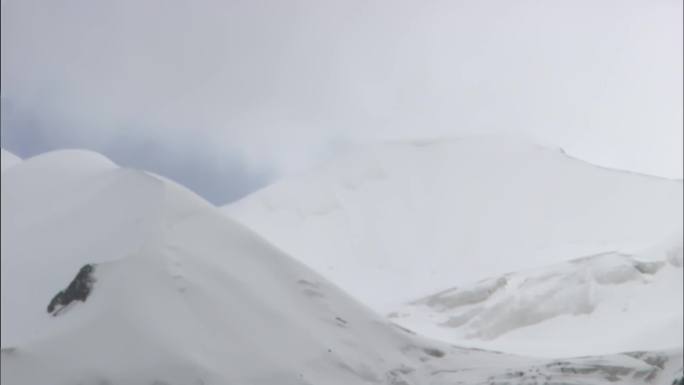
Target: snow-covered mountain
pixel 396 221
pixel 7 159
pixel 178 294
pixel 116 276
pixel 623 302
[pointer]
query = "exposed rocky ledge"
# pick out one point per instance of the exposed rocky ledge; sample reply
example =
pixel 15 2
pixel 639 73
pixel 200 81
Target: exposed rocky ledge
pixel 78 290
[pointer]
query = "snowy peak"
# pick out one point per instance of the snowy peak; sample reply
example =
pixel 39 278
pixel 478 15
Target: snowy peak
pixel 63 210
pixel 142 281
pixel 489 204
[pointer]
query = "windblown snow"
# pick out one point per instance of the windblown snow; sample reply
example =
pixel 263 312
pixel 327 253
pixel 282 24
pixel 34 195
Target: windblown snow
pixel 156 286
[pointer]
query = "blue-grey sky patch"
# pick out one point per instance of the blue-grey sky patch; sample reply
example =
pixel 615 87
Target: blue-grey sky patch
pixel 219 177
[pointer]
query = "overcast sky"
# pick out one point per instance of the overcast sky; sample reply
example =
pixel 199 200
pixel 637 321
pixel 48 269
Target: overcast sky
pixel 226 95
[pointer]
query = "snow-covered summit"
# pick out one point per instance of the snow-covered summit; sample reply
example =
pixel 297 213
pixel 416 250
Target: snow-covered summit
pixel 395 221
pixel 177 292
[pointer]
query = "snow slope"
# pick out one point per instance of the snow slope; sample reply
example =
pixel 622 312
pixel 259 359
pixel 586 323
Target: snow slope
pixel 396 221
pixel 619 300
pixel 7 160
pixel 180 294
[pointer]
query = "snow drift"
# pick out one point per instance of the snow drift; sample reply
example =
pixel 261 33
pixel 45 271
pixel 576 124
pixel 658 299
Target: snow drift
pixel 156 286
pixel 396 221
pixel 623 302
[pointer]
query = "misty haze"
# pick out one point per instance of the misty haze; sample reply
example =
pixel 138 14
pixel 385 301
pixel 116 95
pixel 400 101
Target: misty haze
pixel 304 192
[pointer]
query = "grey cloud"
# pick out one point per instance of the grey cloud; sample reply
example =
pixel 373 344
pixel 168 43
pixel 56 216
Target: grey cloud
pixel 277 81
pixel 219 176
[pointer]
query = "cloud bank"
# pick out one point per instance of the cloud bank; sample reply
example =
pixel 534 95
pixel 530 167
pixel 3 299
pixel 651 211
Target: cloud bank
pixel 269 86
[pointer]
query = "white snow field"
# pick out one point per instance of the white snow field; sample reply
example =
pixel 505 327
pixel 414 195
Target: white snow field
pixel 397 221
pixel 7 159
pixel 175 293
pixel 609 302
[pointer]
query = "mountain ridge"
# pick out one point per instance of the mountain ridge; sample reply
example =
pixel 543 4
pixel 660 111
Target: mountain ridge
pixel 446 200
pixel 183 295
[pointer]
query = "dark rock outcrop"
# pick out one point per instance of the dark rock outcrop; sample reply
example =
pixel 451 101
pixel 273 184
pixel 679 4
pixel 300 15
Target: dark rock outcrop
pixel 78 290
